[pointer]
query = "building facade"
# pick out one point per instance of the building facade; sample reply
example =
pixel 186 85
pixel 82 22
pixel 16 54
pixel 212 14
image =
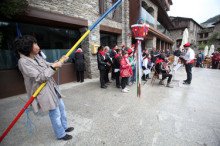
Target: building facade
pixel 158 36
pixel 58 25
pixel 210 31
pixel 180 24
pixel 217 33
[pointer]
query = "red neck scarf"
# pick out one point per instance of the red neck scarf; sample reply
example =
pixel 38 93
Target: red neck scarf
pixel 78 51
pixel 159 60
pixel 117 56
pixel 103 54
pixel 113 49
pixel 144 58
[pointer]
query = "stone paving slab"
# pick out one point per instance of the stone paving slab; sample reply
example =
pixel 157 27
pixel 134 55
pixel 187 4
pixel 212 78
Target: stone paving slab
pixel 186 115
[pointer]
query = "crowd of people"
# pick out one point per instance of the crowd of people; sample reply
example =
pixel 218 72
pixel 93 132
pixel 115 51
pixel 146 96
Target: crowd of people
pixel 123 64
pixel 214 58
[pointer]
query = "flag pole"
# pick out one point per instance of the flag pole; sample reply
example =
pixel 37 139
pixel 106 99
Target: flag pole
pixel 69 52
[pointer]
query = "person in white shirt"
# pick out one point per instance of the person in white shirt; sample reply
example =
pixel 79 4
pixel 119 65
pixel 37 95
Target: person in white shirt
pixel 146 71
pixel 189 61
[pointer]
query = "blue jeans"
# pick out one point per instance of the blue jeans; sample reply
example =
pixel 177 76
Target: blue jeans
pixel 134 75
pixel 58 119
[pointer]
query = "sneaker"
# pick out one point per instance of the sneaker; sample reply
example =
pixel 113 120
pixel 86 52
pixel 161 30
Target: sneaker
pixel 69 129
pixel 127 89
pixel 124 91
pixel 66 137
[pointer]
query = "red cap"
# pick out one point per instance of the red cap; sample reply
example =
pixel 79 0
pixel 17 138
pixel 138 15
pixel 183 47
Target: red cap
pixel 133 45
pixel 129 51
pixel 186 45
pixel 123 46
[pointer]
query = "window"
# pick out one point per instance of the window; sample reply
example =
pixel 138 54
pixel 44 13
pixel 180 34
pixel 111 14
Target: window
pixel 201 35
pixel 54 42
pixel 206 35
pixel 115 14
pixel 108 40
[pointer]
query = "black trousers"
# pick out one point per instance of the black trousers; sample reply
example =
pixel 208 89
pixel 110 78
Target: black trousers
pixel 188 68
pixel 144 77
pixel 80 76
pixel 106 75
pixel 113 73
pixel 214 65
pixel 123 82
pixel 165 75
pixel 117 77
pixel 102 77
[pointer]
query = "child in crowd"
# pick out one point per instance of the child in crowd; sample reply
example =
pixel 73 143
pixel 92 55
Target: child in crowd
pixel 131 59
pixel 149 65
pixel 146 71
pixel 125 71
pixel 199 61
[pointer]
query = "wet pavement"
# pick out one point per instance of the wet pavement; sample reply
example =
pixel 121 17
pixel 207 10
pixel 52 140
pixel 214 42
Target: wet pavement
pixel 186 115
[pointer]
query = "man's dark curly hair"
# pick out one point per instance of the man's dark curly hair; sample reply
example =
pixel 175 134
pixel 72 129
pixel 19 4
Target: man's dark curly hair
pixel 24 45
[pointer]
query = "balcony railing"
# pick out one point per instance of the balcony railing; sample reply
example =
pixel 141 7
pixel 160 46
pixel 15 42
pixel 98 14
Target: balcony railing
pixel 147 17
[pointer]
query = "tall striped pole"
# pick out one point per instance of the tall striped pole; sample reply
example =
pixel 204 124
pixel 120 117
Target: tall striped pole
pixel 139 68
pixel 67 55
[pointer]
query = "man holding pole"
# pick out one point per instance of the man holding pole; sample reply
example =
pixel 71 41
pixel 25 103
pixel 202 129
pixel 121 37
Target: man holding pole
pixel 35 71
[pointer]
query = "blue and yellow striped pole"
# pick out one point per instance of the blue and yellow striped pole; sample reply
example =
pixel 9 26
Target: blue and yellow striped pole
pixel 67 55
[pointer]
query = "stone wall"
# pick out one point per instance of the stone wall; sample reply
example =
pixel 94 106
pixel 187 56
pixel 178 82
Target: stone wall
pixel 193 31
pixel 89 10
pixel 176 35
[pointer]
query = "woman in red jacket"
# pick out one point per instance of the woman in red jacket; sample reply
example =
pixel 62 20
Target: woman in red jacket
pixel 125 71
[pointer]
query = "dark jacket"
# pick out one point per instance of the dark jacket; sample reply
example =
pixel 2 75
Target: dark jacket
pixel 177 53
pixel 79 61
pixel 153 59
pixel 112 55
pixel 117 62
pixel 167 53
pixel 101 61
pixel 108 59
pixel 199 60
pixel 159 68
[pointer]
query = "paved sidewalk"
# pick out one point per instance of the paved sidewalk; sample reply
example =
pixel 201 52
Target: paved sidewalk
pixel 186 115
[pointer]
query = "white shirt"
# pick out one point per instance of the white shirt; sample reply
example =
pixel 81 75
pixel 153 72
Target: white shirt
pixel 145 62
pixel 190 55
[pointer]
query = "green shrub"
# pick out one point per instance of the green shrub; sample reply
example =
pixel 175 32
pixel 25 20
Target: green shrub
pixel 202 46
pixel 9 8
